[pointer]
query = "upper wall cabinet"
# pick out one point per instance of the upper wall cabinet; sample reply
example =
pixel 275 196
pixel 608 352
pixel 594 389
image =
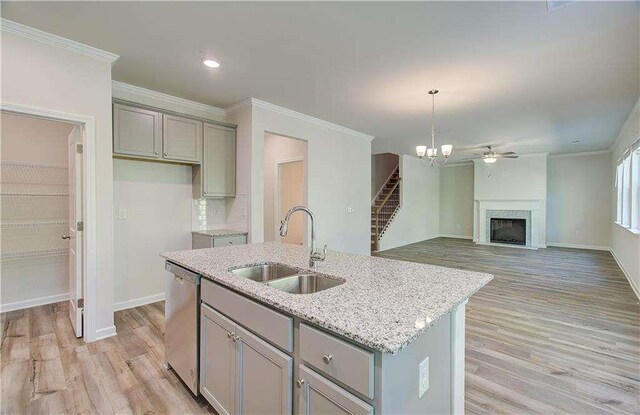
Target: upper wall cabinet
pixel 217 175
pixel 136 131
pixel 181 139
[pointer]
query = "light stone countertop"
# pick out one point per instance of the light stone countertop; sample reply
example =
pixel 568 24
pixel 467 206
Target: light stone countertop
pixel 384 304
pixel 220 232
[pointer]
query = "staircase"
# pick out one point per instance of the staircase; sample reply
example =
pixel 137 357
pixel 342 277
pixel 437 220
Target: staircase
pixel 384 207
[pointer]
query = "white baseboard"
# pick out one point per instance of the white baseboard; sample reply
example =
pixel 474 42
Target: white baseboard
pixel 448 235
pixel 105 332
pixel 594 247
pixel 635 289
pixel 136 302
pixel 19 305
pixel 511 245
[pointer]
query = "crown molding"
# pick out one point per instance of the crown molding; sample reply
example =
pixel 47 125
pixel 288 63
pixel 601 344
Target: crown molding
pixel 165 98
pixel 254 102
pixel 240 105
pixel 635 109
pixel 12 27
pixel 581 153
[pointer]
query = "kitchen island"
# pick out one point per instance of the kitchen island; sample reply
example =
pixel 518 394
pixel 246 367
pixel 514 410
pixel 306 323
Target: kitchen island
pixel 389 338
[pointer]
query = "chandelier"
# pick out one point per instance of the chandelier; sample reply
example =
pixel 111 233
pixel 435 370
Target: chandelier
pixel 432 153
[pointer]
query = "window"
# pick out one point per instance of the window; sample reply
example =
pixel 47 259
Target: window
pixel 628 188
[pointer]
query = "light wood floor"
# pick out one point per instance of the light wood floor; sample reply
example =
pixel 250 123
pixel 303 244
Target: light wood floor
pixel 556 331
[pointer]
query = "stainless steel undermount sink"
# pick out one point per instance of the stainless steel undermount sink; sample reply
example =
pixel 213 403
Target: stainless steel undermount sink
pixel 264 272
pixel 287 279
pixel 304 283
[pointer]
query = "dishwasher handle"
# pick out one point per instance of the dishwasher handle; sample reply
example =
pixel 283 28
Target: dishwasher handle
pixel 184 275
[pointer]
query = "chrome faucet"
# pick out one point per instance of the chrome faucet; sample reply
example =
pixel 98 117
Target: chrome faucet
pixel 284 228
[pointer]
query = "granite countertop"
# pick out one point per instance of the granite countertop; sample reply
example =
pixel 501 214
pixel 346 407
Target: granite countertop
pixel 384 304
pixel 220 232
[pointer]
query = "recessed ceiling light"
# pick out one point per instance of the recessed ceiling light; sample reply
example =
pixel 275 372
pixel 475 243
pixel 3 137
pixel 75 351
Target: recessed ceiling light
pixel 575 142
pixel 211 63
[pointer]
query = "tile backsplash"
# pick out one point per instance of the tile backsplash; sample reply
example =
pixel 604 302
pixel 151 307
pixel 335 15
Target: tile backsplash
pixel 208 214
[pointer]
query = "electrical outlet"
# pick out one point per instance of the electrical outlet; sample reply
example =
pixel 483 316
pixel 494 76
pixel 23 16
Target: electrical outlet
pixel 123 213
pixel 423 377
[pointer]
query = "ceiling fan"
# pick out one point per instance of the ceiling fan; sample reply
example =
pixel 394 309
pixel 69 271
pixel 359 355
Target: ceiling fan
pixel 491 156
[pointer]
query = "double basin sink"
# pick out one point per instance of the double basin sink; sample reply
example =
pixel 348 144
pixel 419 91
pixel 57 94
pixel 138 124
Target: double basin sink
pixel 285 278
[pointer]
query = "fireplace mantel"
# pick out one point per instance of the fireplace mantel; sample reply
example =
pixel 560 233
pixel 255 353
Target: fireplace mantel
pixel 533 211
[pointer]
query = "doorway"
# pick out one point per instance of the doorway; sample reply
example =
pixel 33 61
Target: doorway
pixel 41 216
pixel 285 186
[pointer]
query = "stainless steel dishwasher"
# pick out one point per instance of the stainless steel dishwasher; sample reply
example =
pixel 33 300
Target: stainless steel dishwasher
pixel 182 319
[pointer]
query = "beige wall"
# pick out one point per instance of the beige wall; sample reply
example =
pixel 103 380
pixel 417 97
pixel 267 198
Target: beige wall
pixel 339 175
pixel 381 167
pixel 456 201
pixel 161 211
pixel 577 212
pixel 33 140
pixel 419 214
pixel 277 148
pixel 625 244
pixel 43 76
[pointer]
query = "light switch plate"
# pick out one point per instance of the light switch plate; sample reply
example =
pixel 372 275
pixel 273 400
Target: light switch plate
pixel 423 377
pixel 123 213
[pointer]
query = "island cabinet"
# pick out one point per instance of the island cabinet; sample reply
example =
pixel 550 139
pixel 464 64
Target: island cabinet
pixel 216 177
pixel 239 372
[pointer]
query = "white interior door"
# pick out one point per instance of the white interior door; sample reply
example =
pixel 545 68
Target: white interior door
pixel 291 189
pixel 74 236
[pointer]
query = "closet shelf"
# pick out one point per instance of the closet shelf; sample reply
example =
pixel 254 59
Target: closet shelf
pixel 34 224
pixel 17 256
pixel 34 194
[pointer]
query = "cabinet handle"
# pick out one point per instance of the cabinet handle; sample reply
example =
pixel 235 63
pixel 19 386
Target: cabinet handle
pixel 327 359
pixel 229 335
pixel 155 152
pixel 165 154
pixel 300 382
pixel 235 338
pixel 66 236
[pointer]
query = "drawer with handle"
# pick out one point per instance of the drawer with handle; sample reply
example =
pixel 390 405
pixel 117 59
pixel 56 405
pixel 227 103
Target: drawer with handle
pixel 345 362
pixel 229 240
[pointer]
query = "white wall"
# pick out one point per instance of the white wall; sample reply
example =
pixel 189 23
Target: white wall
pixel 42 280
pixel 625 244
pixel 524 178
pixel 418 217
pixel 277 148
pixel 339 173
pixel 158 199
pixel 456 200
pixel 39 75
pixel 577 213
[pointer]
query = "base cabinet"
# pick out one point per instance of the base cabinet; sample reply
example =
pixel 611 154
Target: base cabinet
pixel 218 361
pixel 264 376
pixel 320 396
pixel 239 372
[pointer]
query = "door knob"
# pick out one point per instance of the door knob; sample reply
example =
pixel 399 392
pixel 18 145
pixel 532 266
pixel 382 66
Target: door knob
pixel 66 236
pixel 327 359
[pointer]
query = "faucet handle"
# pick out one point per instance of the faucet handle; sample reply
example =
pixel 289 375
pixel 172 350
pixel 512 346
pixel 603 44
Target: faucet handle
pixel 318 256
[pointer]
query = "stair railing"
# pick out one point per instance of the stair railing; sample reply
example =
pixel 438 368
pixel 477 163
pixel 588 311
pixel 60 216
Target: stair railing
pixel 394 171
pixel 379 209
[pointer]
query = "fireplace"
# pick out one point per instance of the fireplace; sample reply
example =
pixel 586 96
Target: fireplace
pixel 509 231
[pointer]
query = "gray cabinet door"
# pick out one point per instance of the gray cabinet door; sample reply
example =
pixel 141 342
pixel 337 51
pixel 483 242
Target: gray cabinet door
pixel 181 138
pixel 218 361
pixel 219 161
pixel 136 131
pixel 264 376
pixel 321 396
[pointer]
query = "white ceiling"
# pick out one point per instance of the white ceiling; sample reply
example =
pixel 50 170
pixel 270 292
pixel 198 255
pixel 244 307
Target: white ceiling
pixel 509 73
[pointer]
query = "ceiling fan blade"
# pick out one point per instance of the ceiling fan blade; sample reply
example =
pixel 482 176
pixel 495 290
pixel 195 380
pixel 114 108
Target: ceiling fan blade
pixel 508 153
pixel 515 156
pixel 505 155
